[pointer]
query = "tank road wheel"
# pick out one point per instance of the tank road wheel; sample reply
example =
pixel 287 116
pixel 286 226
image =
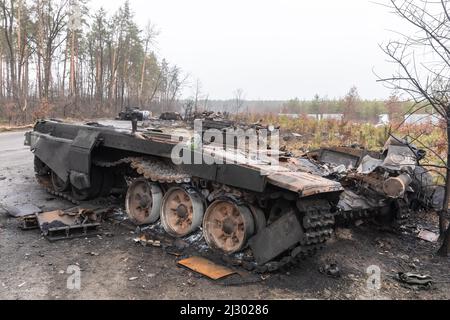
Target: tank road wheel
pixel 182 211
pixel 58 183
pixel 143 201
pixel 227 226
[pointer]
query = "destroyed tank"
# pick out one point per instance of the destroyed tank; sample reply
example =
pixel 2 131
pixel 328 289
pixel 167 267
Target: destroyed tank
pixel 271 215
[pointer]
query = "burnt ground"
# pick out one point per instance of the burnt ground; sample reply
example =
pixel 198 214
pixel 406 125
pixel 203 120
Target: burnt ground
pixel 33 268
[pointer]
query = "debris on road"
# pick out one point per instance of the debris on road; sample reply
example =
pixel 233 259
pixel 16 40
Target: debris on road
pixel 428 236
pixel 132 278
pixel 145 242
pixel 21 210
pixel 415 280
pixel 331 270
pixel 71 223
pixel 28 222
pixel 206 267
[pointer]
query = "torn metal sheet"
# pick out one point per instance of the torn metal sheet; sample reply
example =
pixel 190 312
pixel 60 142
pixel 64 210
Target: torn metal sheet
pixel 21 210
pixel 344 157
pixel 351 201
pixel 206 267
pixel 399 157
pixel 428 236
pixel 368 164
pixel 304 183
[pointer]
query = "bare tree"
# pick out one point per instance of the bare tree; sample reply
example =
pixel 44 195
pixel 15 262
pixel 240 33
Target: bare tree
pixel 238 100
pixel 351 100
pixel 149 37
pixel 423 61
pixel 197 93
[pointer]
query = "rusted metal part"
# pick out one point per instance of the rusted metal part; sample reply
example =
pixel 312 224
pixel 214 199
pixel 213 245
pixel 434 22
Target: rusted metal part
pixel 181 211
pixel 304 184
pixel 28 222
pixel 143 201
pixel 72 223
pixel 227 226
pixel 159 171
pixel 206 267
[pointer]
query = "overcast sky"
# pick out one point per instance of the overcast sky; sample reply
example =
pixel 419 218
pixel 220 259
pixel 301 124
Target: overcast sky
pixel 272 49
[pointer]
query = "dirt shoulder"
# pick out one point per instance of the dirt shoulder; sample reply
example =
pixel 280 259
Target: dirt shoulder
pixel 5 128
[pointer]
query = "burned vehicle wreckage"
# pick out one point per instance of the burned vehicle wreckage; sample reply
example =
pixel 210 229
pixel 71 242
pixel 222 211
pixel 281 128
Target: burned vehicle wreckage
pixel 389 184
pixel 274 214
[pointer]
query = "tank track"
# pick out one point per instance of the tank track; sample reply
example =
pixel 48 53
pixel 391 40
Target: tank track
pixel 400 217
pixel 318 225
pixel 46 183
pixel 154 169
pixel 318 220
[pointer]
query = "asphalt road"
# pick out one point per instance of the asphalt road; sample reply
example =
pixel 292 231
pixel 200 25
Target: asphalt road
pixel 115 267
pixel 12 150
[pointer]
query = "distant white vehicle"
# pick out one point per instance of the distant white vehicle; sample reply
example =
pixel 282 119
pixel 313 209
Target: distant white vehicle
pixel 331 116
pixel 421 118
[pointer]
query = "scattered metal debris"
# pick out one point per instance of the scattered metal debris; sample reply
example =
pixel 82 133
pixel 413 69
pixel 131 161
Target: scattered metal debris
pixel 206 267
pixel 71 223
pixel 415 280
pixel 331 270
pixel 28 222
pixel 428 236
pixel 142 239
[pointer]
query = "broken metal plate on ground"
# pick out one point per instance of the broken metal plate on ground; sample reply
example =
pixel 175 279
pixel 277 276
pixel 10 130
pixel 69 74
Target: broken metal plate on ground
pixel 428 236
pixel 21 210
pixel 206 267
pixel 59 224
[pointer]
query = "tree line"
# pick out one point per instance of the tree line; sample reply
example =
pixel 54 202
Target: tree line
pixel 57 58
pixel 354 108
